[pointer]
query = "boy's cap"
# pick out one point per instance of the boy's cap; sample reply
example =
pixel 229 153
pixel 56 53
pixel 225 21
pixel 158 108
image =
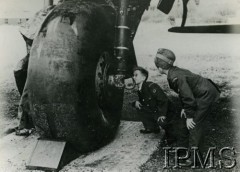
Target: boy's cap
pixel 142 70
pixel 166 55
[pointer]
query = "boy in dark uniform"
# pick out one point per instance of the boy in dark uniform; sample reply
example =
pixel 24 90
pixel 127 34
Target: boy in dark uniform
pixel 153 105
pixel 197 94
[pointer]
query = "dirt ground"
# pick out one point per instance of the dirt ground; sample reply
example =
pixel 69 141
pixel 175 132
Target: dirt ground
pixel 215 56
pixel 9 97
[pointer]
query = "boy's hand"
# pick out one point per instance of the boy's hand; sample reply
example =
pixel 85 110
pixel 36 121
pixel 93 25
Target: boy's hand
pixel 190 123
pixel 138 105
pixel 162 118
pixel 183 114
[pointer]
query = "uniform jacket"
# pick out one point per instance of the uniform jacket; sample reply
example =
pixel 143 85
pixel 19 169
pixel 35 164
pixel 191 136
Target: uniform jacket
pixel 153 99
pixel 192 88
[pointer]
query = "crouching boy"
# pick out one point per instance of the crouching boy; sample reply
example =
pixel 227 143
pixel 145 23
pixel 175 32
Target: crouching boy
pixel 197 94
pixel 153 105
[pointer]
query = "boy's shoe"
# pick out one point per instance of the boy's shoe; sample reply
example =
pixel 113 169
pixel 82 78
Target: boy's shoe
pixel 167 142
pixel 23 132
pixel 163 143
pixel 147 131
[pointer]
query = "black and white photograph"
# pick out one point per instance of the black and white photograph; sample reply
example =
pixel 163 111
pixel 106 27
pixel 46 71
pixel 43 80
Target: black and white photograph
pixel 119 85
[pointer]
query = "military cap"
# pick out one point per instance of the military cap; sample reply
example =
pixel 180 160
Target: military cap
pixel 165 55
pixel 142 70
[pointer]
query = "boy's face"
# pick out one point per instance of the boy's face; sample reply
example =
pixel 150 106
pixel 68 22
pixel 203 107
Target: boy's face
pixel 138 77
